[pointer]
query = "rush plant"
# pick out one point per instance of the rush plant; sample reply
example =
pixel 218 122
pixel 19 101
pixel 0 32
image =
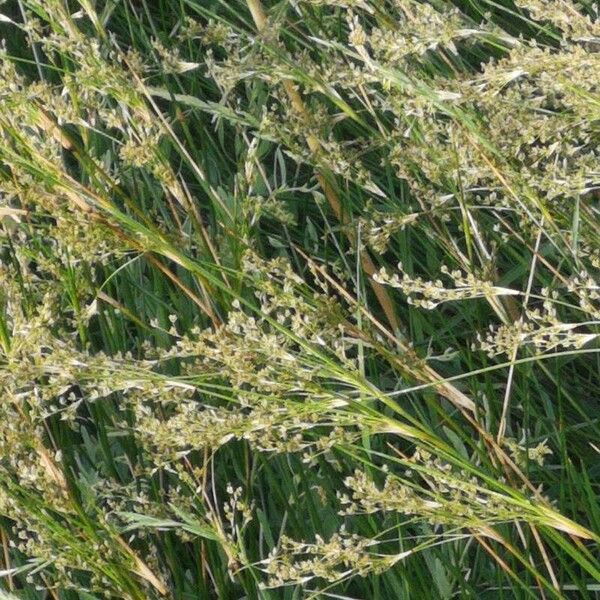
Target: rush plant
pixel 299 299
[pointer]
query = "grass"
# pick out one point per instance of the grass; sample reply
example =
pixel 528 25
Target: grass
pixel 299 299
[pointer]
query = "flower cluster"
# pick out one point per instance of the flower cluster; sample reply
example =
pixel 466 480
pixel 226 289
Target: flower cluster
pixel 445 496
pixel 341 555
pixel 429 294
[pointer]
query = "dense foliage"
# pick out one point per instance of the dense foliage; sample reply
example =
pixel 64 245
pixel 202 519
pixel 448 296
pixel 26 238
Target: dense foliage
pixel 299 299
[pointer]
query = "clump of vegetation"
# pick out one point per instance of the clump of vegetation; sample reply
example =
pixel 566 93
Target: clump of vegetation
pixel 299 299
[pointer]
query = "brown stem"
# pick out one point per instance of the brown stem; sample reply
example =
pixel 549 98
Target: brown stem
pixel 260 20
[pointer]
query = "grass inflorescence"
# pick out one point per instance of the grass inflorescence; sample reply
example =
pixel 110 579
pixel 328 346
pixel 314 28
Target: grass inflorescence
pixel 299 299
